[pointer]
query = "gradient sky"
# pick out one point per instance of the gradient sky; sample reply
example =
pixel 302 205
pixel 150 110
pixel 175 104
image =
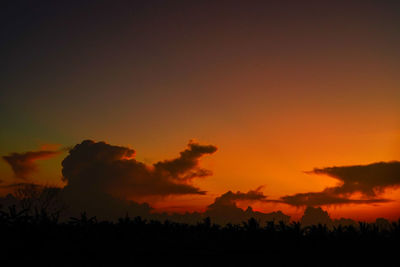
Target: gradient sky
pixel 280 87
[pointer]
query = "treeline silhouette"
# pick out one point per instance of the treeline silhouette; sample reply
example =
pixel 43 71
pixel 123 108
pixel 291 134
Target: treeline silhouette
pixel 38 236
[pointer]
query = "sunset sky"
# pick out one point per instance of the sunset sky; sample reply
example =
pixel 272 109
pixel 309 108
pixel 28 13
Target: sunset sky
pixel 282 89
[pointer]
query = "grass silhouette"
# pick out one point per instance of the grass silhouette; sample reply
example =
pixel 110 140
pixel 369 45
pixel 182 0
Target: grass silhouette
pixel 42 238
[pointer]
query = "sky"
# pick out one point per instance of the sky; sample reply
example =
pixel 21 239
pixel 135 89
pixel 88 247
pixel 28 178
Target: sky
pixel 284 91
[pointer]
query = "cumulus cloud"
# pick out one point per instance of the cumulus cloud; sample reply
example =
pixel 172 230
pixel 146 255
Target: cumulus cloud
pixel 101 167
pixel 101 177
pixel 316 215
pixel 313 216
pixel 24 164
pixel 369 180
pixel 224 209
pixel 230 198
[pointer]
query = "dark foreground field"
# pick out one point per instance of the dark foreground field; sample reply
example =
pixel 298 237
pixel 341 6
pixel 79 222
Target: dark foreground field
pixel 42 239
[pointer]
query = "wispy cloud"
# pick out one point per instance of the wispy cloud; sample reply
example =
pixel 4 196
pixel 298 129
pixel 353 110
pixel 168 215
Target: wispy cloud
pixel 24 164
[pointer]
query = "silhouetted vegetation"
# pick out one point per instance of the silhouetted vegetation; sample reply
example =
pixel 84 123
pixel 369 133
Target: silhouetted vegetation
pixel 40 237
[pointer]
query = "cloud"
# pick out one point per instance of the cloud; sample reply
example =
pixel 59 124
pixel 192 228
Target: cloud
pixel 224 209
pixel 101 178
pixel 229 198
pixel 186 167
pixel 313 216
pixel 326 198
pixel 24 164
pixel 101 167
pixel 369 180
pixel 316 215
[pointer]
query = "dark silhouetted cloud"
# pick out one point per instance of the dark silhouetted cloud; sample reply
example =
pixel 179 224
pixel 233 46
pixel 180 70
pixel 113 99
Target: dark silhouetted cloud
pixel 185 167
pixel 102 177
pixel 230 198
pixel 101 167
pixel 314 216
pixel 369 180
pixel 326 198
pixel 24 164
pixel 224 209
